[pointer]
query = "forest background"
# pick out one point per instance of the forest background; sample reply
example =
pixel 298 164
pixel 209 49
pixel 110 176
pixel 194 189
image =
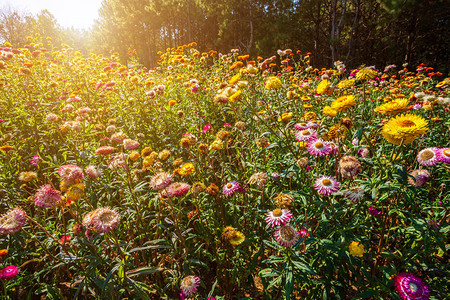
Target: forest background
pixel 375 32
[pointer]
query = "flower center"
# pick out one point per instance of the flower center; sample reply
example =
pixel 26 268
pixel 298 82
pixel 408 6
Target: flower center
pixel 287 233
pixel 318 145
pixel 326 182
pixel 427 154
pixel 229 186
pixel 303 124
pixel 406 123
pixel 306 132
pixel 446 152
pixel 413 287
pixel 188 282
pixel 277 212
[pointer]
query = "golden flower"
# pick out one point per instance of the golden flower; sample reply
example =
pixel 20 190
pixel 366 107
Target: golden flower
pixel 27 176
pixel 235 78
pixel 285 117
pixel 134 155
pixel 291 94
pixel 6 147
pixel 284 200
pixel 328 111
pixel 202 148
pixel 343 103
pixel 345 84
pixel 228 232
pixel 310 116
pixel 198 187
pixel 404 128
pixel 213 189
pixel 164 155
pixel 356 249
pixel 236 96
pixel 273 83
pixel 177 162
pixel 307 106
pixel 3 253
pixel 262 142
pixel 394 107
pixel 323 87
pixel 223 134
pixel 216 145
pixel 146 151
pixel 237 238
pixel 75 192
pixel 335 132
pixel 187 169
pixel 366 74
pixel 305 98
pixel 185 143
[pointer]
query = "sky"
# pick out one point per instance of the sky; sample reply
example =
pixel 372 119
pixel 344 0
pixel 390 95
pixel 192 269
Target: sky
pixel 69 13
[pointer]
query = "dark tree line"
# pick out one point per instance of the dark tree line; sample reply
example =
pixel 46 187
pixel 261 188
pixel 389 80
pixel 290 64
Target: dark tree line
pixel 378 32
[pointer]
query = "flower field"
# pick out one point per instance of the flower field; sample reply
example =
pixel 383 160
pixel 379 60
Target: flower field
pixel 221 177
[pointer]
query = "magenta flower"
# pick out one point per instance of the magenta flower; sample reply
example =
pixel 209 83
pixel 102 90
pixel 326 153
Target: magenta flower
pixel 443 155
pixel 9 272
pixel 411 287
pixel 189 285
pixel 206 128
pixel 35 160
pixel 373 211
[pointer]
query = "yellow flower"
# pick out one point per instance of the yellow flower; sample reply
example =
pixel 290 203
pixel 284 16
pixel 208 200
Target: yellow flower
pixel 134 155
pixel 323 87
pixel 310 116
pixel 273 83
pixel 216 145
pixel 404 128
pixel 285 117
pixel 394 107
pixel 366 74
pixel 75 192
pixel 235 78
pixel 164 155
pixel 27 176
pixel 236 96
pixel 187 169
pixel 345 84
pixel 237 238
pixel 356 249
pixel 327 110
pixel 343 103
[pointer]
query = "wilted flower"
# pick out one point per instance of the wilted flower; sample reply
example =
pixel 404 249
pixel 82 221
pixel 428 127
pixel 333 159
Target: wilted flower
pixel 47 197
pixel 349 166
pixel 287 235
pixel 101 220
pixel 259 179
pixel 12 221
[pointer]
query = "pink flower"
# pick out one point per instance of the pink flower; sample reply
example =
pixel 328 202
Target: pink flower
pixel 9 272
pixel 227 125
pixel 47 197
pixel 206 128
pixel 35 160
pixel 278 217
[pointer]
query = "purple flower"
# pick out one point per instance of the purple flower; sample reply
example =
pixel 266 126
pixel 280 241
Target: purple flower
pixel 373 211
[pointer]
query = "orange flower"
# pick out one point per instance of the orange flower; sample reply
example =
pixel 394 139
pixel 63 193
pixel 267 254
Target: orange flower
pixel 6 147
pixel 3 253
